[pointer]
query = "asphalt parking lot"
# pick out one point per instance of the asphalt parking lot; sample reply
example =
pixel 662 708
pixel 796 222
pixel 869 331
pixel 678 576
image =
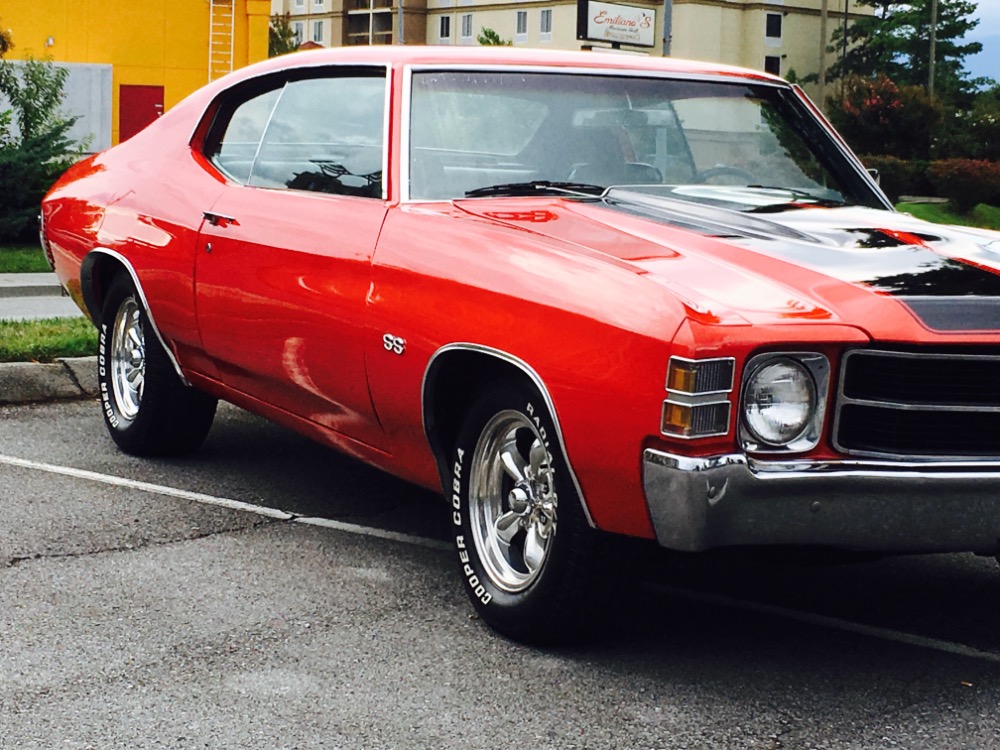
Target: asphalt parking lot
pixel 268 593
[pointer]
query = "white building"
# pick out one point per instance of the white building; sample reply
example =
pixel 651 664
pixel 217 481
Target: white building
pixel 780 36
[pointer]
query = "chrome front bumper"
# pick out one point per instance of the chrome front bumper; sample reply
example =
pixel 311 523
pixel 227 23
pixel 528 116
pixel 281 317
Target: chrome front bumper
pixel 701 503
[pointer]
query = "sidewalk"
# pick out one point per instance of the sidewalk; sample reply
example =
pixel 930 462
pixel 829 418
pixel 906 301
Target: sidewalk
pixel 34 296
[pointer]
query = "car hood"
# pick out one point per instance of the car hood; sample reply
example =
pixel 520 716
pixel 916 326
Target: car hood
pixel 892 275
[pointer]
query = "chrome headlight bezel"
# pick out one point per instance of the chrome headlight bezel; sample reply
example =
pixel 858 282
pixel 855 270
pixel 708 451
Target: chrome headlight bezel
pixel 815 367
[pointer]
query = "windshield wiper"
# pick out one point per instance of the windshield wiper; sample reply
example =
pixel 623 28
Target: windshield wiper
pixel 535 187
pixel 800 199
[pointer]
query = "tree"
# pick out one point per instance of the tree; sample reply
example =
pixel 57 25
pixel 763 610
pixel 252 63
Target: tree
pixel 876 116
pixel 974 132
pixel 35 146
pixel 280 35
pixel 896 42
pixel 489 38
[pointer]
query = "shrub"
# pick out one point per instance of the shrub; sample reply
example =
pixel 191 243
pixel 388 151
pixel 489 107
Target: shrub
pixel 34 144
pixel 900 176
pixel 966 182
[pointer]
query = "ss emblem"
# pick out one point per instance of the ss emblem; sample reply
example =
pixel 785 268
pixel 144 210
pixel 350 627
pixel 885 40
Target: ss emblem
pixel 393 344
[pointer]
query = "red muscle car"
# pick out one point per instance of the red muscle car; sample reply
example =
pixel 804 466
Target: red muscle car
pixel 582 294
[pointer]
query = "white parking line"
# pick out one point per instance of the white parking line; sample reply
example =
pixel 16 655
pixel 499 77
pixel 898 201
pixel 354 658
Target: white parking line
pixel 223 502
pixel 353 528
pixel 833 623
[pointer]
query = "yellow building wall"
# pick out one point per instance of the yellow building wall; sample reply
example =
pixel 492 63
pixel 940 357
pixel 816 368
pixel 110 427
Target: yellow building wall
pixel 713 33
pixel 147 42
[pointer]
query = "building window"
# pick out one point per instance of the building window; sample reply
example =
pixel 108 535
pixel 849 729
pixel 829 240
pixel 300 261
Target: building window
pixel 521 35
pixel 545 26
pixel 300 3
pixel 317 4
pixel 382 27
pixel 444 29
pixel 772 26
pixel 359 28
pixel 369 21
pixel 318 32
pixel 466 28
pixel 772 64
pixel 300 32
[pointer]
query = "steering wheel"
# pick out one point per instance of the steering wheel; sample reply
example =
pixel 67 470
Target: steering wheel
pixel 729 175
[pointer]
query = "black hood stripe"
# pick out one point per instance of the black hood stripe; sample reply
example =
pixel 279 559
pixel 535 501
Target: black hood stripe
pixel 954 314
pixel 943 293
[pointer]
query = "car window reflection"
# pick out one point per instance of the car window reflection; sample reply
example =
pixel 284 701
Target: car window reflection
pixel 320 135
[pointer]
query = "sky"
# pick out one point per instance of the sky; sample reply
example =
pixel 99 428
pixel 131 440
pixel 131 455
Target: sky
pixel 986 63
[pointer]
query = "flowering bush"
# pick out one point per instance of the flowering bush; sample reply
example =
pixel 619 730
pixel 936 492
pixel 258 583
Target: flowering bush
pixel 876 116
pixel 966 182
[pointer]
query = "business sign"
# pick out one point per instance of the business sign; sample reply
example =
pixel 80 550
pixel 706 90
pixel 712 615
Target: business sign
pixel 616 24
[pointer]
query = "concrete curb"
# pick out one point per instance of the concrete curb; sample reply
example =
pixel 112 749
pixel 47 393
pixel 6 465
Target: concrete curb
pixel 28 382
pixel 29 285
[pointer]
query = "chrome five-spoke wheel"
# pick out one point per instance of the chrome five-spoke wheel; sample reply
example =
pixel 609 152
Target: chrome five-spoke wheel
pixel 147 409
pixel 128 359
pixel 512 501
pixel 526 551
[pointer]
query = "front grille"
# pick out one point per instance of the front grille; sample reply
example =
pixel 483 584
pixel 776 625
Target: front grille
pixel 919 403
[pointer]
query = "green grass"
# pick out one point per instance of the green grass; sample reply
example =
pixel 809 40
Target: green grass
pixel 984 216
pixel 46 340
pixel 22 259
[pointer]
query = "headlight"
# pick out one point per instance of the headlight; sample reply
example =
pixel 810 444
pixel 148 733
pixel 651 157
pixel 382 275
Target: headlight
pixel 783 398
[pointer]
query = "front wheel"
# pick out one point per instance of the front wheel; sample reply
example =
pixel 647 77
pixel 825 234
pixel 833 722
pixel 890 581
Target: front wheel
pixel 147 409
pixel 525 549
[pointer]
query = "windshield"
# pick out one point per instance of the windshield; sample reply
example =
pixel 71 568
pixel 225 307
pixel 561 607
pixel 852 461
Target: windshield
pixel 743 145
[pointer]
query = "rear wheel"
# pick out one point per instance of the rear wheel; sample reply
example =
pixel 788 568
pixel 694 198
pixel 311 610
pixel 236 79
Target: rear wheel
pixel 147 409
pixel 525 549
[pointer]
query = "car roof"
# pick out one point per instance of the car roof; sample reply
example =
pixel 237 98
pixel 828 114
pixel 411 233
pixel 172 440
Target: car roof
pixel 417 55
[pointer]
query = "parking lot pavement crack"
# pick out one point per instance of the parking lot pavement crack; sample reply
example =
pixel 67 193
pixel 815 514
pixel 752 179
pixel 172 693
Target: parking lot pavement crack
pixel 17 560
pixel 72 376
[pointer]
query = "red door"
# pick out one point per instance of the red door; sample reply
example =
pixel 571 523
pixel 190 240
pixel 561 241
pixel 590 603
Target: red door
pixel 137 107
pixel 281 298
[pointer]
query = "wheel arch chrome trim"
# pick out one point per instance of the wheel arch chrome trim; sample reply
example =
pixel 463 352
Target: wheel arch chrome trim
pixel 526 370
pixel 90 298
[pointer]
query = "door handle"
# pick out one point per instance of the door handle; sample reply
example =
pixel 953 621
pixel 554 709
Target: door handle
pixel 219 220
